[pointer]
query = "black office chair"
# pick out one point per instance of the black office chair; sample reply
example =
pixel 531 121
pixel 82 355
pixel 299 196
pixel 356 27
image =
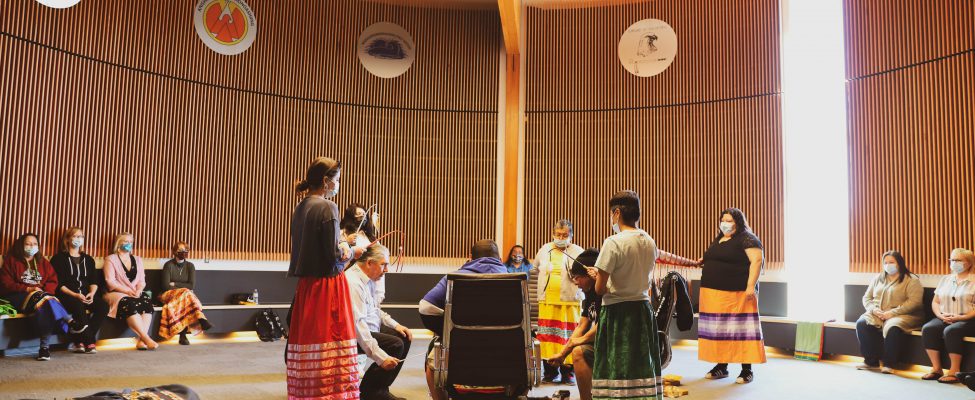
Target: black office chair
pixel 487 351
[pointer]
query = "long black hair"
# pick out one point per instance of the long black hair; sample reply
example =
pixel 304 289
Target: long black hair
pixel 16 250
pixel 741 223
pixel 350 223
pixel 517 246
pixel 901 264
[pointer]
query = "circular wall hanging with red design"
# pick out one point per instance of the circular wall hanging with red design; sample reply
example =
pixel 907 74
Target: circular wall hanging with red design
pixel 226 26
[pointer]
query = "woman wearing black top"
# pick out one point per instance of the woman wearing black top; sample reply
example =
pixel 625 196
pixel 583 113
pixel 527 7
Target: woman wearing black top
pixel 78 288
pixel 322 342
pixel 729 330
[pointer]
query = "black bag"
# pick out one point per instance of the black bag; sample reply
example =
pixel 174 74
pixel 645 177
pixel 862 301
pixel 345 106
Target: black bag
pixel 269 327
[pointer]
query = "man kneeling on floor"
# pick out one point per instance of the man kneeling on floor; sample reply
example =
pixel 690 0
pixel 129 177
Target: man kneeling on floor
pixel 484 260
pixel 380 337
pixel 580 344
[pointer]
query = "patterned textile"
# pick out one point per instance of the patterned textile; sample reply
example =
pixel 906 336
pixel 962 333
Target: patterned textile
pixel 809 341
pixel 129 306
pixel 728 329
pixel 43 305
pixel 555 326
pixel 321 351
pixel 627 353
pixel 181 309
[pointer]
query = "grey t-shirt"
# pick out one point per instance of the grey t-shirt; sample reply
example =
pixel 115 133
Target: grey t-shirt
pixel 629 258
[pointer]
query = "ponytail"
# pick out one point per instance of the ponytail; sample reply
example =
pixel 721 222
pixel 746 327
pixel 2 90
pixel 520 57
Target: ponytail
pixel 319 169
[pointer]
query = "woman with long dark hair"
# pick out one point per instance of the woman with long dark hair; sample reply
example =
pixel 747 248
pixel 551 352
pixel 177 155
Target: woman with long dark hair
pixel 321 351
pixel 28 282
pixel 729 330
pixel 893 303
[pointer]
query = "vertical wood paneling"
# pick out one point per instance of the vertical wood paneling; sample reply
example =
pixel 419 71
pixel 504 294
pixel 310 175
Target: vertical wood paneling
pixel 168 140
pixel 910 94
pixel 700 137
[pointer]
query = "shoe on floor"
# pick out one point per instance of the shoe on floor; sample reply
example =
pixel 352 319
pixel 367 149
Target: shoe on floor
pixel 77 326
pixel 380 395
pixel 886 370
pixel 867 367
pixel 746 376
pixel 716 373
pixel 183 340
pixel 568 378
pixel 90 349
pixel 44 354
pixel 77 348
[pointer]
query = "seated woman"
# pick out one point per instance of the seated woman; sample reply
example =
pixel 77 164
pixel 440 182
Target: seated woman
pixel 28 281
pixel 182 311
pixel 893 303
pixel 954 307
pixel 78 288
pixel 125 278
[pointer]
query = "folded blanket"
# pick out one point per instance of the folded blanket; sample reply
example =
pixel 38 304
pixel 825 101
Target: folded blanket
pixel 809 341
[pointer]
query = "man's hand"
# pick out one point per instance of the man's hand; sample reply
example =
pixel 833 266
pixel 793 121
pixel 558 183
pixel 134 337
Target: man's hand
pixel 405 332
pixel 389 363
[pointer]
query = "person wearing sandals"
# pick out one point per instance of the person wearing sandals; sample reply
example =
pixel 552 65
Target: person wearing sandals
pixel 729 330
pixel 182 312
pixel 558 300
pixel 893 309
pixel 78 288
pixel 28 281
pixel 954 309
pixel 125 280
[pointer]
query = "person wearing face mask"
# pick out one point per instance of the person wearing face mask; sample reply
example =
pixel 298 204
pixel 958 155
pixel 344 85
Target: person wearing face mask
pixel 78 288
pixel 182 312
pixel 893 303
pixel 321 312
pixel 558 300
pixel 28 282
pixel 729 330
pixel 125 282
pixel 360 227
pixel 954 309
pixel 516 261
pixel 380 337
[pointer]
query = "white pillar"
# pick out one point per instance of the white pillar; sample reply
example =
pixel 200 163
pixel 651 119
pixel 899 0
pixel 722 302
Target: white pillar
pixel 817 222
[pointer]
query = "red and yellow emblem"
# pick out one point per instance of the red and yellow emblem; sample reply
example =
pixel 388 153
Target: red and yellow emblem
pixel 225 21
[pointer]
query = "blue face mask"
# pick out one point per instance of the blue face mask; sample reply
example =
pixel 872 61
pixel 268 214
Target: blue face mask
pixel 726 227
pixel 77 242
pixel 30 250
pixel 127 247
pixel 562 243
pixel 334 192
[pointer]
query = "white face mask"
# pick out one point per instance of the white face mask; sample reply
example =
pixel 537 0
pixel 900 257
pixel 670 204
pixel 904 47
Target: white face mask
pixel 726 227
pixel 562 243
pixel 614 225
pixel 334 192
pixel 957 267
pixel 77 242
pixel 891 269
pixel 30 250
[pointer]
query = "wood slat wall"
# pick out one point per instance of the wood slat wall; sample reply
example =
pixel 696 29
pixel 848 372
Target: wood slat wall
pixel 700 137
pixel 911 96
pixel 149 136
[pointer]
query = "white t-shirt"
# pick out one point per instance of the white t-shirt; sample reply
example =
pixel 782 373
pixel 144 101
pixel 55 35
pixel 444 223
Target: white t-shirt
pixel 629 258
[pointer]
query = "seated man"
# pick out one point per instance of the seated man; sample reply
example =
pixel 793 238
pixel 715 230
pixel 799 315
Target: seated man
pixel 484 260
pixel 379 336
pixel 580 344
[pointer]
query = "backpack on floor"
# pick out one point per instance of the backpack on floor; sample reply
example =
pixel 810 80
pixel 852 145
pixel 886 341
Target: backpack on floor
pixel 269 327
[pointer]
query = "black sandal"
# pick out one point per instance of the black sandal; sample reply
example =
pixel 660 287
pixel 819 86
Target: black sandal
pixel 746 376
pixel 716 373
pixel 932 376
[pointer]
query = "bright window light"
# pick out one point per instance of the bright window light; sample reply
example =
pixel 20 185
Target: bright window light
pixel 817 246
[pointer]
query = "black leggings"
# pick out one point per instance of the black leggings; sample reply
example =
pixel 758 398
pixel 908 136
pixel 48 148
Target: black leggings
pixel 80 311
pixel 937 335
